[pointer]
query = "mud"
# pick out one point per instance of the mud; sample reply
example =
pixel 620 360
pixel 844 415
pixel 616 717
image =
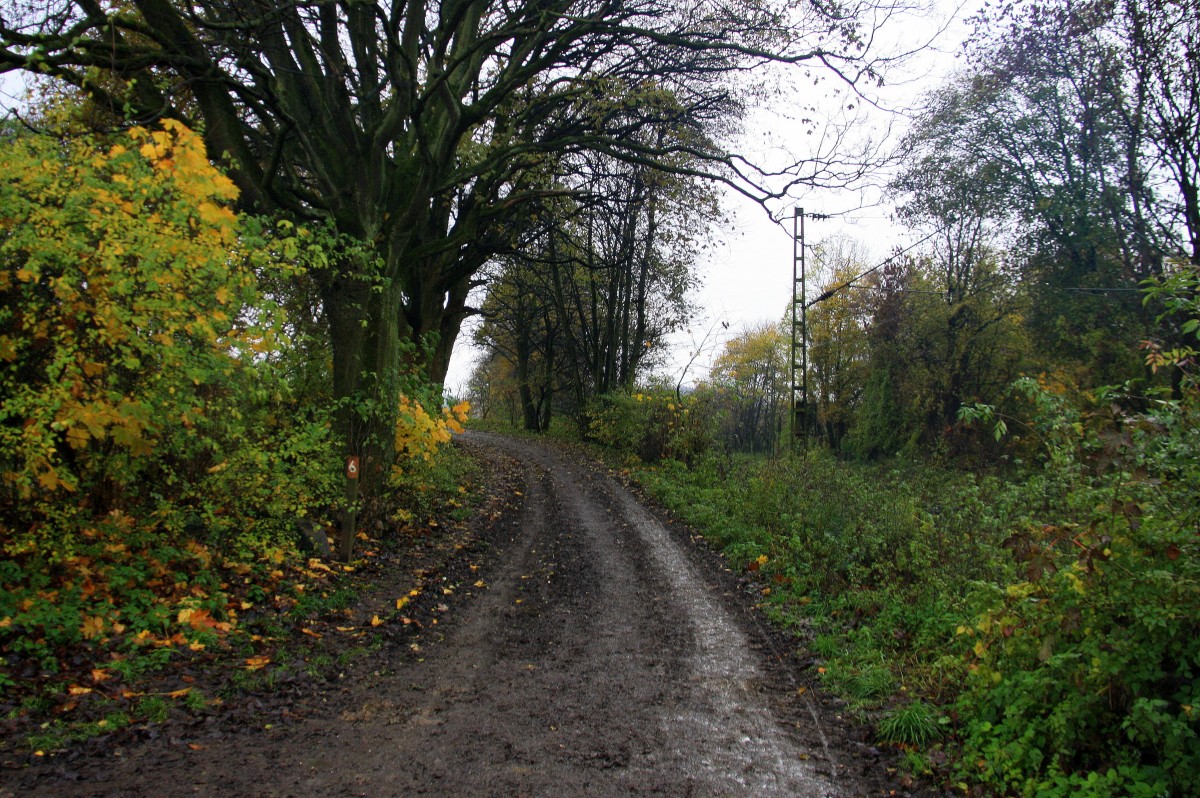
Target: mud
pixel 585 646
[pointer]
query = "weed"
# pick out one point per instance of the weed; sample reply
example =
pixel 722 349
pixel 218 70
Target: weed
pixel 195 701
pixel 914 724
pixel 56 735
pixel 155 709
pixel 915 762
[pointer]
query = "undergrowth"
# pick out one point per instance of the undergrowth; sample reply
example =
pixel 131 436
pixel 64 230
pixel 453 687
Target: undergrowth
pixel 83 635
pixel 1030 634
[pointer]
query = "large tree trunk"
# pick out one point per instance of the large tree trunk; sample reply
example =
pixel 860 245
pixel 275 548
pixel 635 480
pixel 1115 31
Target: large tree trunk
pixel 365 325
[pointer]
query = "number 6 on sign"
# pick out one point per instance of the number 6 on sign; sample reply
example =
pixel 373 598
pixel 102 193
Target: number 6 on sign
pixel 351 468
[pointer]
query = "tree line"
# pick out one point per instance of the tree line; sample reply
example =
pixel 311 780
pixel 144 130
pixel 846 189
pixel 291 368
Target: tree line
pixel 1052 179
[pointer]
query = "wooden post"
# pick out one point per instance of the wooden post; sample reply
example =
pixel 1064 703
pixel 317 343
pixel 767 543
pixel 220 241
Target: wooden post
pixel 346 544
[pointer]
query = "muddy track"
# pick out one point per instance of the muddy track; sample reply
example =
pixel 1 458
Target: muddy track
pixel 591 650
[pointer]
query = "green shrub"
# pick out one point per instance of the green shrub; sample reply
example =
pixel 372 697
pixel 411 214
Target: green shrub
pixel 1086 670
pixel 651 425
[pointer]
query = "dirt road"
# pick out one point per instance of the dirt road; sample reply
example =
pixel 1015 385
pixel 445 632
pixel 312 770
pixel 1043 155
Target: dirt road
pixel 597 652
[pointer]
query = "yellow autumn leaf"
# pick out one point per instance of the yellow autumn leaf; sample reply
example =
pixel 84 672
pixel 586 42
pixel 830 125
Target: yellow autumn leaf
pixel 92 627
pixel 257 663
pixel 376 621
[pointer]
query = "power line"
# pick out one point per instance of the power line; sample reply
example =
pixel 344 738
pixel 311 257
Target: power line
pixel 1094 290
pixel 830 292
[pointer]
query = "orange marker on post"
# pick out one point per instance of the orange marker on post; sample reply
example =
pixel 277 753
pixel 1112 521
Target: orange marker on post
pixel 346 547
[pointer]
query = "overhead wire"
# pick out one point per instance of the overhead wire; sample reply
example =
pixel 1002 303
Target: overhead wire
pixel 828 293
pixel 887 261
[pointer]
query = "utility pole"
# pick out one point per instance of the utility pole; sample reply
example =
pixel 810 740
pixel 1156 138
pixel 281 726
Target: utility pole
pixel 799 388
pixel 799 351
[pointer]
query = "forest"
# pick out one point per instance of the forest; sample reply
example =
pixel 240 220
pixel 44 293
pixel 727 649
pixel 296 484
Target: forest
pixel 240 241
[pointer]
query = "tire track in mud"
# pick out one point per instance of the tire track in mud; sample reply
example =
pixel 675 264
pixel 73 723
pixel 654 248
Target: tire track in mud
pixel 664 653
pixel 597 661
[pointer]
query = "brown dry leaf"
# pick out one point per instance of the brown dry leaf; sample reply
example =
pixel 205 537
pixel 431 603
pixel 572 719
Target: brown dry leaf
pixel 196 746
pixel 100 675
pixel 179 693
pixel 311 633
pixel 78 689
pixel 254 663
